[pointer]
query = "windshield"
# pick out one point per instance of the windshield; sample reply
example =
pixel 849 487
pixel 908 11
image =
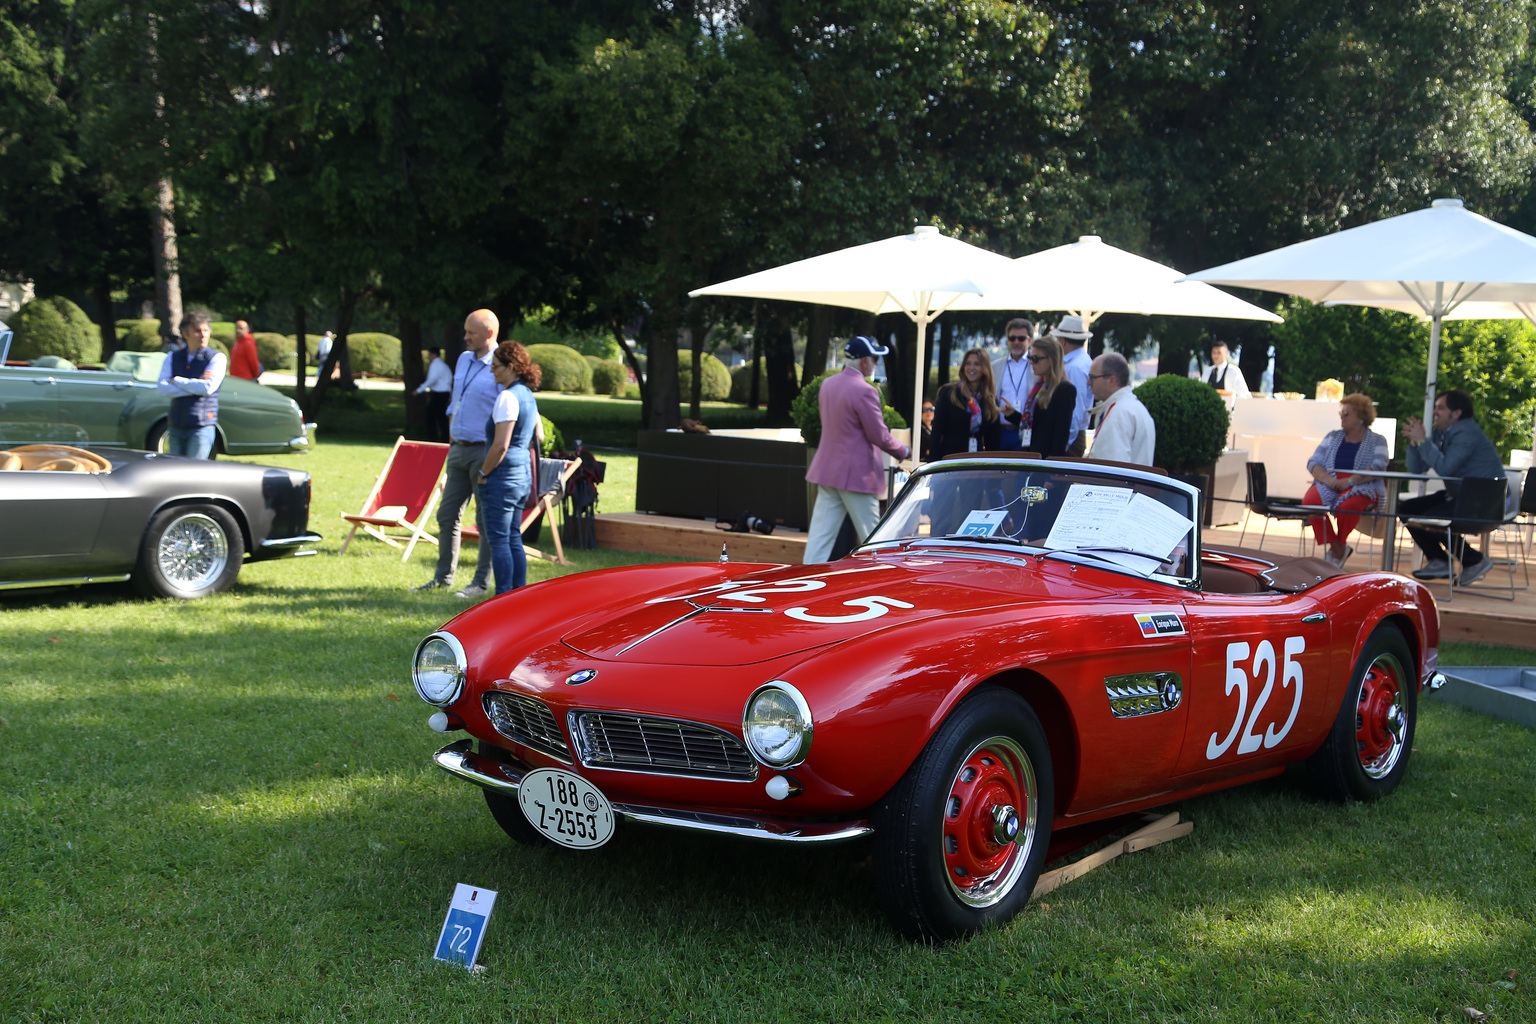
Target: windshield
pixel 1134 521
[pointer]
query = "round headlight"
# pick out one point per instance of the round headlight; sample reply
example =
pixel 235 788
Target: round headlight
pixel 777 725
pixel 438 671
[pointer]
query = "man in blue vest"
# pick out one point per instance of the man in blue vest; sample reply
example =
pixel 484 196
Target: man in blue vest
pixel 191 376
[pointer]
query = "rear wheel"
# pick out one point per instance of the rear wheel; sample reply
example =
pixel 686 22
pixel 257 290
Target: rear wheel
pixel 189 551
pixel 960 841
pixel 1366 753
pixel 158 438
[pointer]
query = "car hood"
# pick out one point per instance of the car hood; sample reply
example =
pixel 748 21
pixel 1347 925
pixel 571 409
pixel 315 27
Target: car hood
pixel 788 610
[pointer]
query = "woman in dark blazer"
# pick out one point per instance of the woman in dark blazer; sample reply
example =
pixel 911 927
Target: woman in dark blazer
pixel 966 410
pixel 1050 410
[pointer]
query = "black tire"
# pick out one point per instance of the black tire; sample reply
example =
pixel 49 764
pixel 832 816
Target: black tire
pixel 158 439
pixel 1367 751
pixel 512 819
pixel 189 551
pixel 942 867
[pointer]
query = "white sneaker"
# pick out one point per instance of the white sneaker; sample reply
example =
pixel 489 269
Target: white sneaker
pixel 1473 573
pixel 472 591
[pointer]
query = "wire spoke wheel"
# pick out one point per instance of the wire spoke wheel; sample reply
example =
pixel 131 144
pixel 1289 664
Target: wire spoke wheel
pixel 189 551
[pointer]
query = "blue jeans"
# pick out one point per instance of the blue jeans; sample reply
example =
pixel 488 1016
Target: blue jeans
pixel 501 500
pixel 193 442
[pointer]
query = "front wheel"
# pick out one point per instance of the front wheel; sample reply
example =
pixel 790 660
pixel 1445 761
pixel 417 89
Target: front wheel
pixel 960 841
pixel 189 551
pixel 1366 753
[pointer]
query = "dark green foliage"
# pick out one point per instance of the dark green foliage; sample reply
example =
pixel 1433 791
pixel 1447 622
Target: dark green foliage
pixel 805 410
pixel 376 354
pixel 563 367
pixel 1191 419
pixel 139 335
pixel 716 385
pixel 609 377
pixel 741 382
pixel 274 351
pixel 554 440
pixel 55 326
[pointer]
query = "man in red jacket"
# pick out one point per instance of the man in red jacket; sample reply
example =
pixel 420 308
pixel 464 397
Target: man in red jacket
pixel 242 358
pixel 846 469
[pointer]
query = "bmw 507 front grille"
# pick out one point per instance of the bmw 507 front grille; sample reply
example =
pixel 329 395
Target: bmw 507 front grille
pixel 527 721
pixel 662 746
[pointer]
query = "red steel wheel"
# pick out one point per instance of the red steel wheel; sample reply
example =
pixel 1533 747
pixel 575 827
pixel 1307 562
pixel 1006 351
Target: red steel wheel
pixel 1367 749
pixel 992 800
pixel 1381 720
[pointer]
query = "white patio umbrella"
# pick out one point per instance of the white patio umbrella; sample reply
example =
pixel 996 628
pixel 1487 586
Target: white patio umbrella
pixel 921 275
pixel 1442 263
pixel 1090 278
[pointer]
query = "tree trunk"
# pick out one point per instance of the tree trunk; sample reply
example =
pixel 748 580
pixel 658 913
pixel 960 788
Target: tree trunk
pixel 902 335
pixel 779 357
pixel 300 367
pixel 696 360
pixel 338 353
pixel 818 339
pixel 660 336
pixel 162 236
pixel 759 325
pixel 634 366
pixel 103 296
pixel 415 373
pixel 946 349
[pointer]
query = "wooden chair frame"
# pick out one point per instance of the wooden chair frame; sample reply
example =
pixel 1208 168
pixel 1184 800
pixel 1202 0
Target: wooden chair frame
pixel 371 522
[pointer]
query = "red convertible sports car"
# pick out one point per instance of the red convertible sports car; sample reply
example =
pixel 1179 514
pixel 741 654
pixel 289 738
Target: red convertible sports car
pixel 1020 647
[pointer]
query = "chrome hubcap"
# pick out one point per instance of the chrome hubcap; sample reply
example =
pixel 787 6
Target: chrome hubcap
pixel 988 825
pixel 193 552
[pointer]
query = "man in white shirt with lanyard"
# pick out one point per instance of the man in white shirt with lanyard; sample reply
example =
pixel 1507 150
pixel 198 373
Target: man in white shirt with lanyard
pixel 1125 431
pixel 1073 335
pixel 1016 385
pixel 1226 376
pixel 474 396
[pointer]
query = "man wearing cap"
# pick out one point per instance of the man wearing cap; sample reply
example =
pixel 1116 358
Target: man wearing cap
pixel 1125 432
pixel 846 469
pixel 1016 384
pixel 1072 335
pixel 1226 376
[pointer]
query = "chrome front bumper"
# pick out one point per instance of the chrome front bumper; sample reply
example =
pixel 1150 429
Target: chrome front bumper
pixel 460 759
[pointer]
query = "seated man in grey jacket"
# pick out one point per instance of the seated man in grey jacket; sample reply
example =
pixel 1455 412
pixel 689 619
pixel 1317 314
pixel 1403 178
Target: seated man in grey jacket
pixel 1459 448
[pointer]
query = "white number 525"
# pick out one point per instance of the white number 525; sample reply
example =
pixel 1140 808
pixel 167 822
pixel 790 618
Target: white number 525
pixel 1237 679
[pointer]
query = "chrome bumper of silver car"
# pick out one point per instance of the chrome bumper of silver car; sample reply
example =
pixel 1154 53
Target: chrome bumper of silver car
pixel 460 759
pixel 281 547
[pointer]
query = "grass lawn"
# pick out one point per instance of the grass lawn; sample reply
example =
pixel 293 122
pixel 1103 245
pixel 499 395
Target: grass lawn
pixel 224 811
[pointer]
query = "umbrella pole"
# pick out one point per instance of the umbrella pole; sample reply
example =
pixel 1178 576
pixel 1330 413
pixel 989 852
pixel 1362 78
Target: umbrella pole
pixel 1434 371
pixel 919 379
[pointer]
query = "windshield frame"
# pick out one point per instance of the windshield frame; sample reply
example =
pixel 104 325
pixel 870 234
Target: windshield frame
pixel 1006 461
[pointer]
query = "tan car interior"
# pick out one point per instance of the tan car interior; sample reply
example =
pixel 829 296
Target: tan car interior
pixel 53 458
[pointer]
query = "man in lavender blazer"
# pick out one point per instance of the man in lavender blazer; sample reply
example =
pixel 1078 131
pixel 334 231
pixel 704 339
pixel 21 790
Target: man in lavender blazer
pixel 846 469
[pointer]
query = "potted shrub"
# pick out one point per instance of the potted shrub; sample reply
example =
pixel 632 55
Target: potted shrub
pixel 1192 424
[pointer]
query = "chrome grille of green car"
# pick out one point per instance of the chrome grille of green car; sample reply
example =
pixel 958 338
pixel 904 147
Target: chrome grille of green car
pixel 662 746
pixel 527 721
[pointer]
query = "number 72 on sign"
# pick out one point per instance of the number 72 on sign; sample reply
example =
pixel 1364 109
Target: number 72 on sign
pixel 464 927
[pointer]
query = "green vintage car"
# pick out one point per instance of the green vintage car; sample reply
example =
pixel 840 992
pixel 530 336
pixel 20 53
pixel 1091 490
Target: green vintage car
pixel 119 407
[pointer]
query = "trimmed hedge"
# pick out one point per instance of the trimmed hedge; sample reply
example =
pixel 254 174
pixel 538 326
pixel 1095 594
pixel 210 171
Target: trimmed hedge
pixel 378 354
pixel 55 326
pixel 1191 421
pixel 274 351
pixel 716 386
pixel 138 335
pixel 608 376
pixel 564 369
pixel 805 410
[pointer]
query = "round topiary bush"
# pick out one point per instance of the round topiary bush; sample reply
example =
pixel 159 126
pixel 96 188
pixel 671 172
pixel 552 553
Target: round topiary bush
pixel 609 377
pixel 138 335
pixel 716 386
pixel 274 351
pixel 564 369
pixel 805 410
pixel 376 354
pixel 55 326
pixel 1191 419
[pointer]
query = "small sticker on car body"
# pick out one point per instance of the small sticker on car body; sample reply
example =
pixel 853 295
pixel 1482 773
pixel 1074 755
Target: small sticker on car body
pixel 1159 624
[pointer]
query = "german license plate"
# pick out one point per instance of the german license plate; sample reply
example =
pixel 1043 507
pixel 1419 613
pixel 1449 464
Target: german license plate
pixel 567 808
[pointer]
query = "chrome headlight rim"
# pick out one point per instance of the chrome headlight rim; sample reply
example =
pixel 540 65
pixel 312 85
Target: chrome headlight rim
pixel 462 663
pixel 807 729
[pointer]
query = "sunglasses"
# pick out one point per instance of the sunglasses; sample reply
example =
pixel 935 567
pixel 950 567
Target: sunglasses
pixel 1019 337
pixel 1100 376
pixel 1037 359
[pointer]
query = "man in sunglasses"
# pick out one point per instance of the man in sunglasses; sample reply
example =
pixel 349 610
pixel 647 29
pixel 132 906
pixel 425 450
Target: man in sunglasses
pixel 1016 384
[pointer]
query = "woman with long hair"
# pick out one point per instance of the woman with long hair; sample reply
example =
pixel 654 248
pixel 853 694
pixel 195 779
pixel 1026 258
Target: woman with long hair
pixel 506 476
pixel 965 417
pixel 1048 412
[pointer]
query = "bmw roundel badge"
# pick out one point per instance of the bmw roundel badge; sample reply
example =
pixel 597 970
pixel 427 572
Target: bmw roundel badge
pixel 586 675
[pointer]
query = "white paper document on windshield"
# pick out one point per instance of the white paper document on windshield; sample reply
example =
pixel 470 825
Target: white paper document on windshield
pixel 1120 525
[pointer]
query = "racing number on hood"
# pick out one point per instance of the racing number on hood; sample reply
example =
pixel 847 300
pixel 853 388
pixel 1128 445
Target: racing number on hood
pixel 756 592
pixel 1237 679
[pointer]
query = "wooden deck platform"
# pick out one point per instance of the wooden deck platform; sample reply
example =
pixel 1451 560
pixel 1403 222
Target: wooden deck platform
pixel 1469 617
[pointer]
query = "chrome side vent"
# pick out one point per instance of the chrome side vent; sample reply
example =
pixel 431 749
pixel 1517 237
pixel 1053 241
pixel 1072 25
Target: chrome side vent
pixel 1143 693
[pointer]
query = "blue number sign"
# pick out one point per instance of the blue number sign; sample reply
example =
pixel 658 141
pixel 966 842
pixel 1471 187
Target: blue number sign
pixel 464 928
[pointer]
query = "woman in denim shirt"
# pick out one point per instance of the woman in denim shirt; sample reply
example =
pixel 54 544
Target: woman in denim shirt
pixel 1353 447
